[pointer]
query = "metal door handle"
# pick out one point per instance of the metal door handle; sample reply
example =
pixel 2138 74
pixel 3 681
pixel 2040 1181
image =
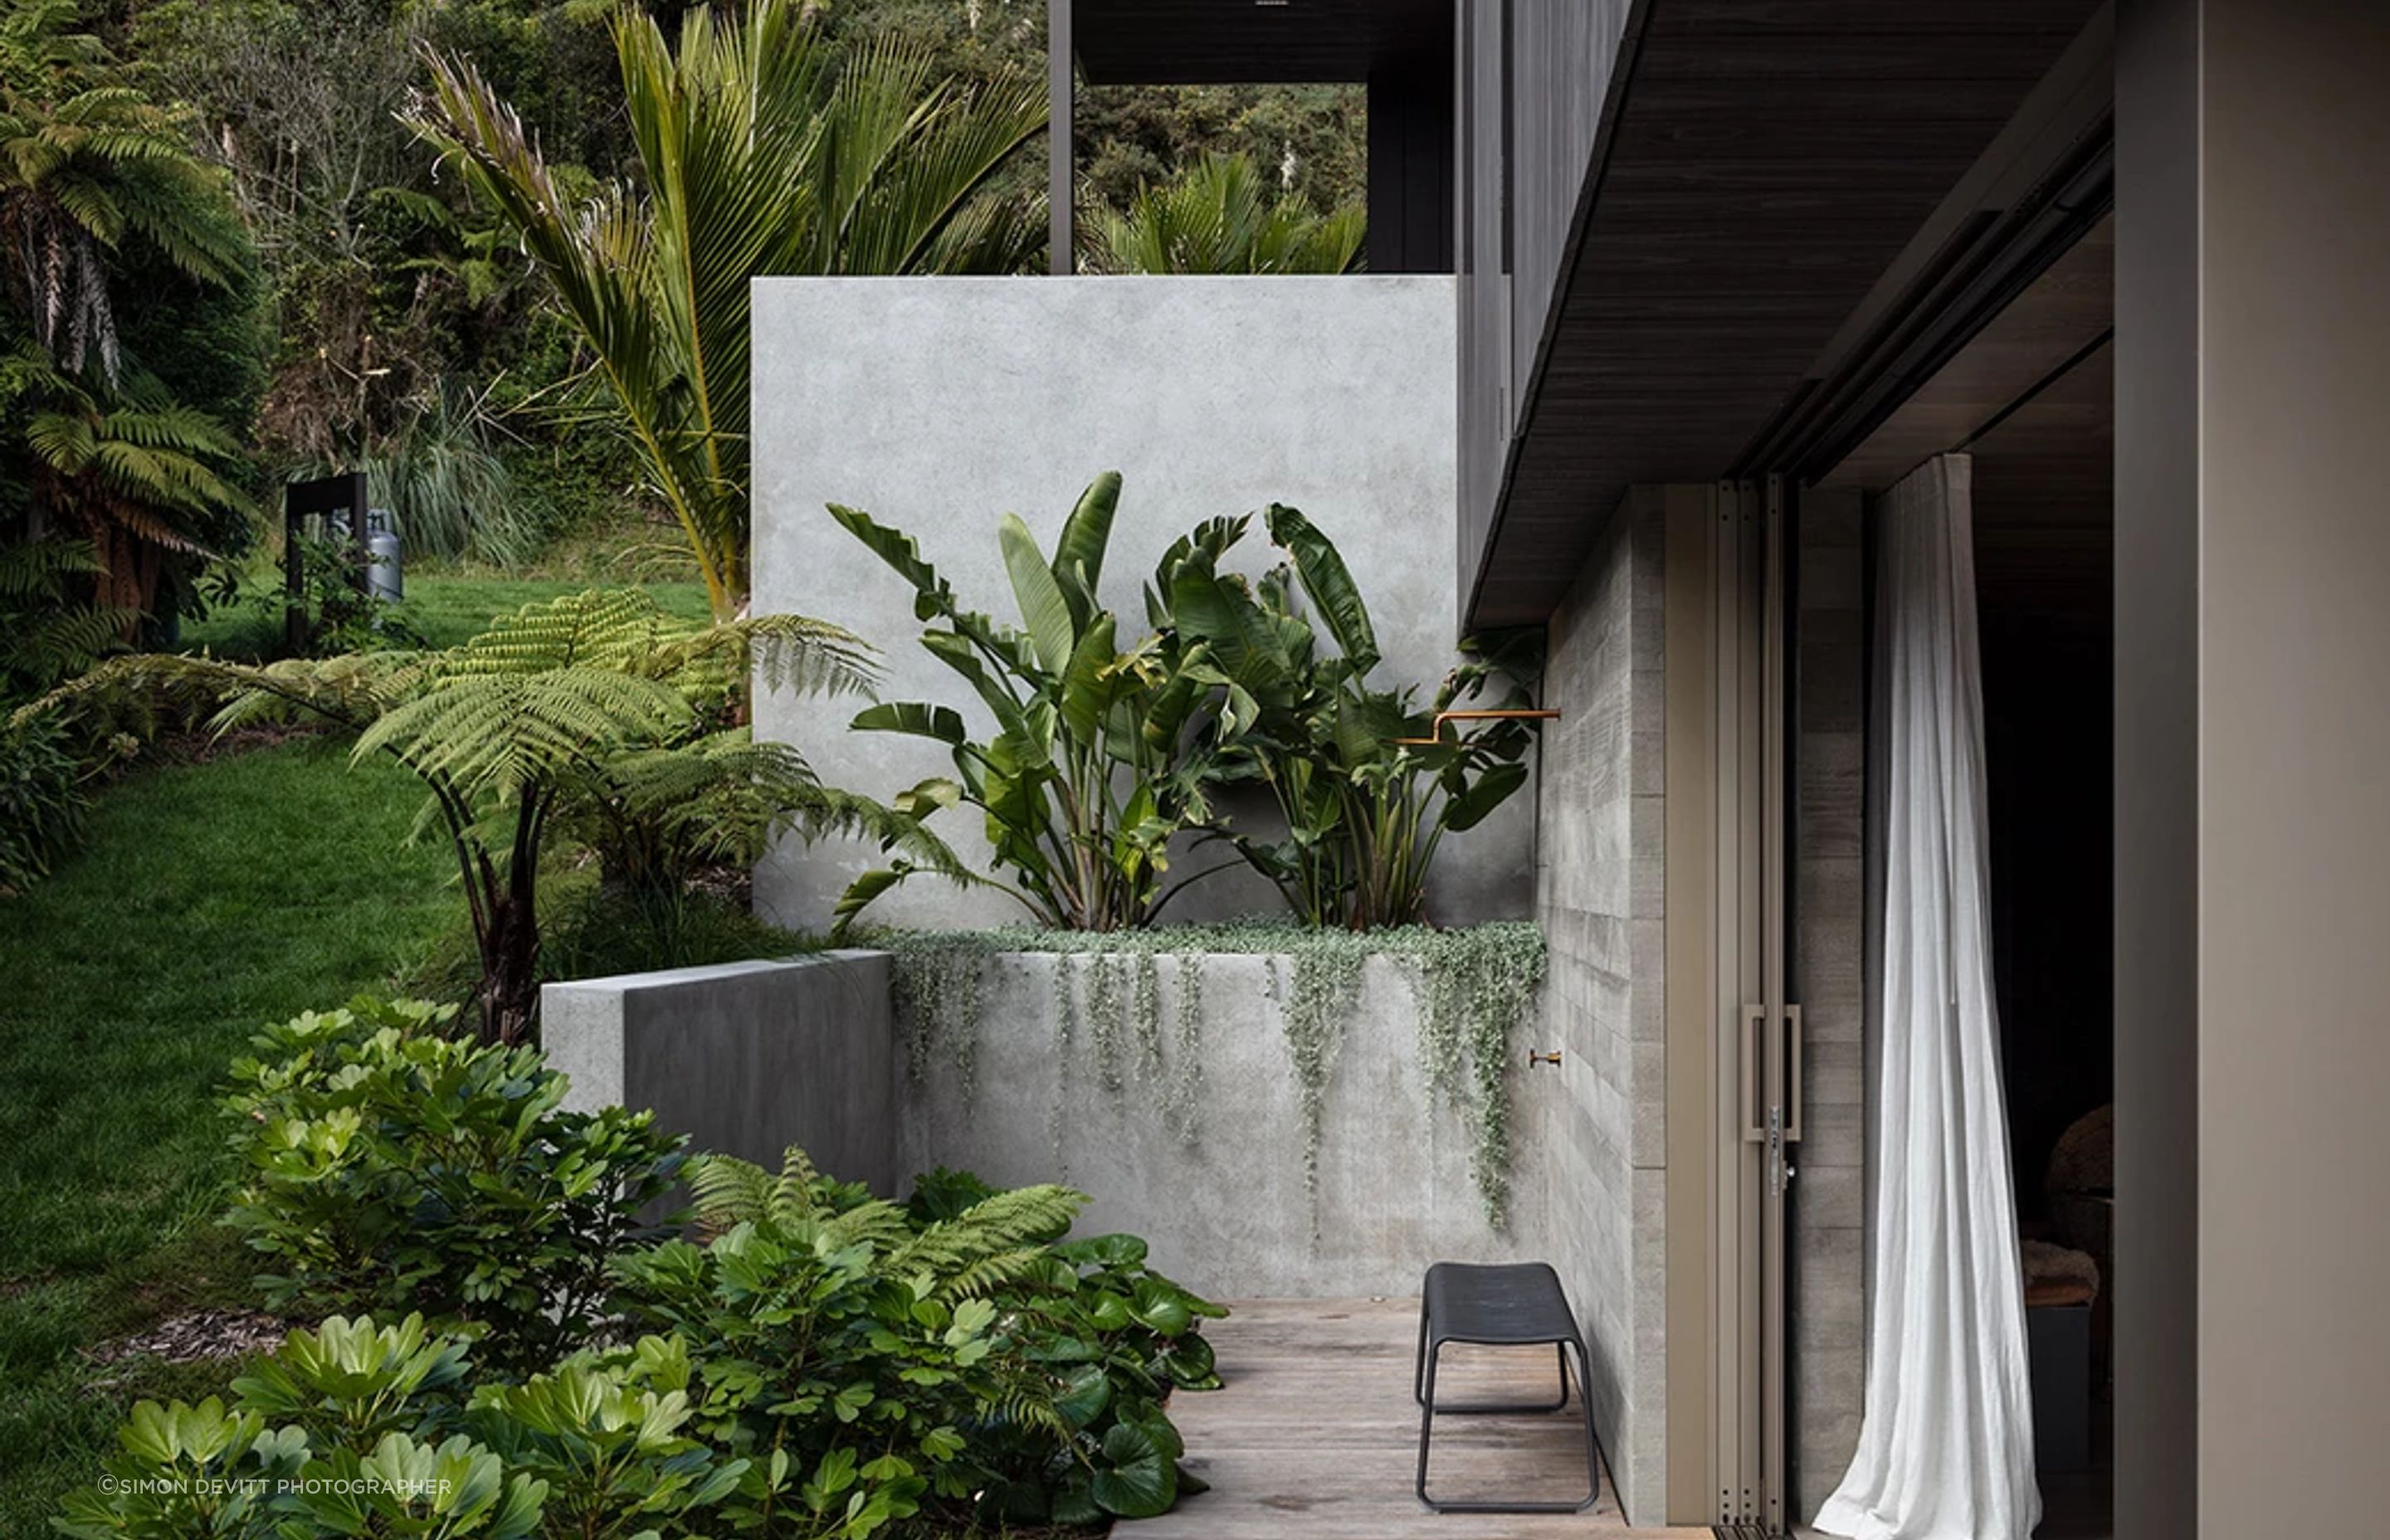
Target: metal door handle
pixel 1755 1085
pixel 1793 1094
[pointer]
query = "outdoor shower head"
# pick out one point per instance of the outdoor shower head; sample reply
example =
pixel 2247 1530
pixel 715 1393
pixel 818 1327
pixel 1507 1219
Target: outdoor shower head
pixel 1435 729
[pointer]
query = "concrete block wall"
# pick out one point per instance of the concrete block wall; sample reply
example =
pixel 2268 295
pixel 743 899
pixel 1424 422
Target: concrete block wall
pixel 1595 1130
pixel 1829 1366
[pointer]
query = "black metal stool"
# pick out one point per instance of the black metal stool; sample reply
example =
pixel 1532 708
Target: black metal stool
pixel 1517 1305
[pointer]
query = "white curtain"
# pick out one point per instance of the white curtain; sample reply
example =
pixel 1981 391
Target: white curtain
pixel 1946 1442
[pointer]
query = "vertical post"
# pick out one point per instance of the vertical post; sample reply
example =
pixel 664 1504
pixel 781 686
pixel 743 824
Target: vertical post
pixel 2157 772
pixel 294 574
pixel 1061 102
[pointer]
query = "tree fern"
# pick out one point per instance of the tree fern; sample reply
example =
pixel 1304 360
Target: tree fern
pixel 100 191
pixel 46 632
pixel 549 714
pixel 731 1191
pixel 996 1240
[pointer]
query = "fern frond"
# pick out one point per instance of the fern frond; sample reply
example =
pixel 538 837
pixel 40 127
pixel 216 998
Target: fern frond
pixel 1007 1222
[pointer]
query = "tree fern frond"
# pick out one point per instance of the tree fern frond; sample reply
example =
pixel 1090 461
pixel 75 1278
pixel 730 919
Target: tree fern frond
pixel 992 1227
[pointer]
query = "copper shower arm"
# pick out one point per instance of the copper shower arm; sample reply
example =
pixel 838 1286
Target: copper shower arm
pixel 1435 729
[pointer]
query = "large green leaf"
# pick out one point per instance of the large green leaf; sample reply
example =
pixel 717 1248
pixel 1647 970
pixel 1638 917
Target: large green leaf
pixel 1103 1250
pixel 1486 793
pixel 1328 583
pixel 932 596
pixel 1079 554
pixel 1043 610
pixel 964 657
pixel 915 717
pixel 1239 640
pixel 1088 685
pixel 1136 1475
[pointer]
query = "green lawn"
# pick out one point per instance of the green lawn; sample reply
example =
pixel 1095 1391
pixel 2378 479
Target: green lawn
pixel 211 899
pixel 444 609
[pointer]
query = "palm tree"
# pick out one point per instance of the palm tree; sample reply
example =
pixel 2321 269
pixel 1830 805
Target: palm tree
pixel 568 710
pixel 764 151
pixel 1214 218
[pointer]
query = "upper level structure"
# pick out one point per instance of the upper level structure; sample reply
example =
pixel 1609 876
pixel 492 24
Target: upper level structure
pixel 1402 51
pixel 1682 224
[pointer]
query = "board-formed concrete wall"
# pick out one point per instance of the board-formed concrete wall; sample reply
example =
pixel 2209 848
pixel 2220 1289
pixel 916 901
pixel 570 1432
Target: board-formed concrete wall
pixel 938 405
pixel 750 1057
pixel 1600 1128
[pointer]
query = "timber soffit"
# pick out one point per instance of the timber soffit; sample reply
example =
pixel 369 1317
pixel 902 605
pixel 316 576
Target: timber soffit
pixel 1758 168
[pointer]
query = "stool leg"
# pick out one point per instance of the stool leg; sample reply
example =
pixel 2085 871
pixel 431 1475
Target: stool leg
pixel 1419 1359
pixel 1592 1443
pixel 1427 1421
pixel 1560 1351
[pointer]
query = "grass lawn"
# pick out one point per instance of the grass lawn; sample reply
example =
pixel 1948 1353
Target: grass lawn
pixel 211 899
pixel 447 609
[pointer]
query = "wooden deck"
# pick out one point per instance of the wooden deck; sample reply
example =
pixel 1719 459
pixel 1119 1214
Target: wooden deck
pixel 1315 1437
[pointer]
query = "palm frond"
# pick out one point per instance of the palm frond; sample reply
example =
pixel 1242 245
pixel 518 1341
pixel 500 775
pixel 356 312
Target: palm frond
pixel 761 153
pixel 1215 218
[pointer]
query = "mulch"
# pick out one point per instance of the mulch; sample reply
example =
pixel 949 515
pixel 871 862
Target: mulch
pixel 198 1336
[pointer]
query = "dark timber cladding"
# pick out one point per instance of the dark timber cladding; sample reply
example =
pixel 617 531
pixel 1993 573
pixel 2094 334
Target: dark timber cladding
pixel 1751 171
pixel 1401 49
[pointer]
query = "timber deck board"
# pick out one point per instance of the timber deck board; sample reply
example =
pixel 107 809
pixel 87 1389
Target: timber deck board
pixel 1315 1436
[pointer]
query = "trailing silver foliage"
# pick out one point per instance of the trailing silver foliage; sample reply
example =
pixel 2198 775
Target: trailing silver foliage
pixel 1473 986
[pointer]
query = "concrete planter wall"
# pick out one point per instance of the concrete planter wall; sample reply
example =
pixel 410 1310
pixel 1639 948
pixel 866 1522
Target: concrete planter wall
pixel 1223 1200
pixel 810 1052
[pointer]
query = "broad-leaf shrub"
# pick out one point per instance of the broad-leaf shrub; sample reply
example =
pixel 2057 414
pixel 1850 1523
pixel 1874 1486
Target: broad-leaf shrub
pixel 826 1365
pixel 1367 780
pixel 388 1168
pixel 996 1361
pixel 1105 748
pixel 359 1429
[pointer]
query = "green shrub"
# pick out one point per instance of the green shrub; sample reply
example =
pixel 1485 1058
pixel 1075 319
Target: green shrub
pixel 599 931
pixel 1367 780
pixel 42 803
pixel 387 1168
pixel 994 1369
pixel 825 1365
pixel 358 1429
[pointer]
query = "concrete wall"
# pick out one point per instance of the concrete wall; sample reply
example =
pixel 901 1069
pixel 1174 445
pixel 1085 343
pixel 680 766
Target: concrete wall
pixel 1829 1360
pixel 1226 1213
pixel 747 1058
pixel 938 405
pixel 751 1057
pixel 1597 1131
